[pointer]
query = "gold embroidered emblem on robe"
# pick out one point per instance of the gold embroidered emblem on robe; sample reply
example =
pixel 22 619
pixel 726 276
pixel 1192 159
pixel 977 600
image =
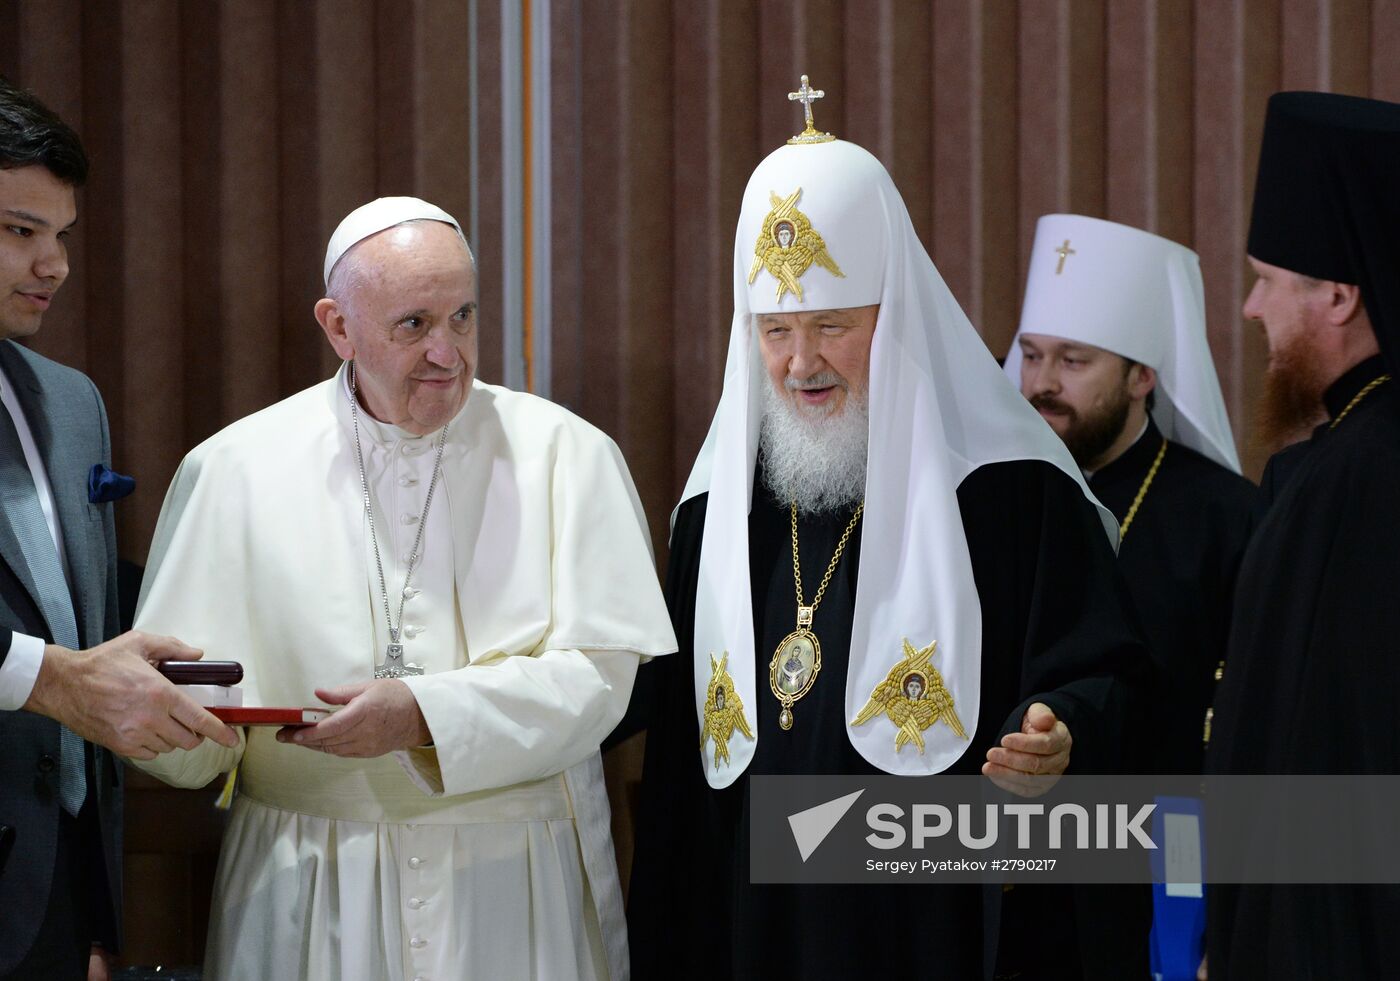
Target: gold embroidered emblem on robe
pixel 724 711
pixel 914 697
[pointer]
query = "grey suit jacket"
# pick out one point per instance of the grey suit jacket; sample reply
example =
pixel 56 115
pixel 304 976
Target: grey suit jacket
pixel 69 423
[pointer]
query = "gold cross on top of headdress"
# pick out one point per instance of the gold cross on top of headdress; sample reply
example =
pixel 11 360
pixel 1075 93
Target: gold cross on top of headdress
pixel 807 95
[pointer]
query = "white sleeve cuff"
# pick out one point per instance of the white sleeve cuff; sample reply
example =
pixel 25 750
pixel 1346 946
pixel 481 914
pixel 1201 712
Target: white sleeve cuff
pixel 19 671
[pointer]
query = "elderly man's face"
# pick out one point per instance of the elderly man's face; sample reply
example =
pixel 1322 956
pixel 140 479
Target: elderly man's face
pixel 37 210
pixel 406 313
pixel 816 359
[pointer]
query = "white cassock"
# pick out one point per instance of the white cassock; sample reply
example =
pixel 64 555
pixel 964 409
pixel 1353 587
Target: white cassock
pixel 488 855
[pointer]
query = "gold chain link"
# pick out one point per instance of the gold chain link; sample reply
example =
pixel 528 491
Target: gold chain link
pixel 1142 492
pixel 1359 396
pixel 840 547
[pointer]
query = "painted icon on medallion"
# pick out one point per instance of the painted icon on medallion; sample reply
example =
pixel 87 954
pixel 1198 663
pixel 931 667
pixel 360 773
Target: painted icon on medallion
pixel 799 661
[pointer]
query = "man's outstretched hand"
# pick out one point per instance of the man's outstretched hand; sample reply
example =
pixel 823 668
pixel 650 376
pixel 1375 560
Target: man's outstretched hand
pixel 1030 762
pixel 112 695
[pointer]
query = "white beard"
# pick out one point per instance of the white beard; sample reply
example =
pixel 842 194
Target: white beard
pixel 812 456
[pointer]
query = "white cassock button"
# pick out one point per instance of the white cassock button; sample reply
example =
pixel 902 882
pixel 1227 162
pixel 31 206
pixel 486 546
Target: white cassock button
pixel 418 942
pixel 419 977
pixel 409 592
pixel 414 862
pixel 413 630
pixel 407 480
pixel 405 557
pixel 409 519
pixel 415 903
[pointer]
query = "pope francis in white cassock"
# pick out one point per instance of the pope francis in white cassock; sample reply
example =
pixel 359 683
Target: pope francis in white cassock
pixel 465 571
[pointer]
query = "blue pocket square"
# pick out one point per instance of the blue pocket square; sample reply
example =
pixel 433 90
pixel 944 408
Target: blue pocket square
pixel 107 485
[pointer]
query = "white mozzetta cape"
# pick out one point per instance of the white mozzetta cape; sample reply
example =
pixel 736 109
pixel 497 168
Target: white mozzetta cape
pixel 260 557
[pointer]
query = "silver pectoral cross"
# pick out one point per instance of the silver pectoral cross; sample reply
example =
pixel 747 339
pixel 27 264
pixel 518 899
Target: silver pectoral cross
pixel 394 665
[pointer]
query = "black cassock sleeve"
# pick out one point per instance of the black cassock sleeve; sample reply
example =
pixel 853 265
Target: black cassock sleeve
pixel 1053 607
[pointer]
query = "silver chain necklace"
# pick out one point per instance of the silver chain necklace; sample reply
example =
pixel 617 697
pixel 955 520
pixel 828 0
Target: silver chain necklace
pixel 393 665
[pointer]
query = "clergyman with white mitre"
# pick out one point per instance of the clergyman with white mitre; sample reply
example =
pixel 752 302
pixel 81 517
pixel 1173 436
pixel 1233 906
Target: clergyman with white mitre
pixel 1113 352
pixel 465 571
pixel 873 490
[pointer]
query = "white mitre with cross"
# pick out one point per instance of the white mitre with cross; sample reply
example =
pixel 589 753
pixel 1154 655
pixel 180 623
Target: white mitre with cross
pixel 1140 296
pixel 822 226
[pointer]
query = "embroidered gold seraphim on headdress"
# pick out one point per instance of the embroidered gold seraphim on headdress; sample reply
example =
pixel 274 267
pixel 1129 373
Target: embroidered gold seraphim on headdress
pixel 788 245
pixel 724 712
pixel 914 697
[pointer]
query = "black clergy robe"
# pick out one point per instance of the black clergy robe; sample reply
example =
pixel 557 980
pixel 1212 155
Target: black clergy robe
pixel 1179 560
pixel 1312 682
pixel 1280 467
pixel 1054 630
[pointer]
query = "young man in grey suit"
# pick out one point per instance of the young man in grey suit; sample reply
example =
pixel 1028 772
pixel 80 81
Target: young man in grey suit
pixel 62 681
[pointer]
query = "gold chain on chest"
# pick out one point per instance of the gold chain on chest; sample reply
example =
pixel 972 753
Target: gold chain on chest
pixel 797 660
pixel 831 568
pixel 1356 399
pixel 1142 491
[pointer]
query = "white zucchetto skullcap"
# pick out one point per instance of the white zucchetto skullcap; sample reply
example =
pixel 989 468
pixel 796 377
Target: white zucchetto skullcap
pixel 379 214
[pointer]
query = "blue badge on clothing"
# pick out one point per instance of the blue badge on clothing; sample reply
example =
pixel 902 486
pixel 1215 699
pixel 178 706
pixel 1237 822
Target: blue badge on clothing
pixel 1178 897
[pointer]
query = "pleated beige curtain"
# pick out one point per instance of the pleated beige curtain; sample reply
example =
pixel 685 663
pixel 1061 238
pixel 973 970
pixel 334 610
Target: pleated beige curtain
pixel 227 139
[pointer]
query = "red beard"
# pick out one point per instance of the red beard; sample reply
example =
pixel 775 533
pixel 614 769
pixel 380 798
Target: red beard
pixel 1292 401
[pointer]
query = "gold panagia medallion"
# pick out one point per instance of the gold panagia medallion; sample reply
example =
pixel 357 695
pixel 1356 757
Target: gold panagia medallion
pixel 724 712
pixel 914 697
pixel 788 245
pixel 793 670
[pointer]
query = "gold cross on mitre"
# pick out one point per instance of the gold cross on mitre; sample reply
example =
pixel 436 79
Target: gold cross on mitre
pixel 807 95
pixel 1064 252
